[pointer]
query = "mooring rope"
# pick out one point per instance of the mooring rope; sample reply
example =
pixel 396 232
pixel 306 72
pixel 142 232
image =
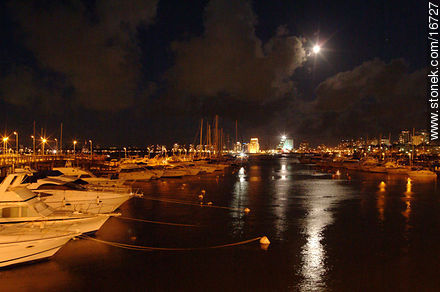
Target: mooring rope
pixel 151 248
pixel 193 204
pixel 156 222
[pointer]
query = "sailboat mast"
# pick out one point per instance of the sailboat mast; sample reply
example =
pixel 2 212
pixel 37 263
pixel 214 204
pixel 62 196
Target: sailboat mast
pixel 61 138
pixel 236 132
pixel 201 135
pixel 216 133
pixel 412 142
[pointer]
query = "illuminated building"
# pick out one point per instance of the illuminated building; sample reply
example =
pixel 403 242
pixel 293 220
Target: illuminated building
pixel 423 136
pixel 385 142
pixel 304 146
pixel 404 137
pixel 253 146
pixel 286 144
pixel 238 147
pixel 417 140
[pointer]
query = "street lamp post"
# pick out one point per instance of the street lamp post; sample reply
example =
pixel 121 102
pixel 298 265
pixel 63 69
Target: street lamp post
pixel 91 150
pixel 125 151
pixel 56 146
pixel 5 142
pixel 43 141
pixel 16 140
pixel 33 144
pixel 74 151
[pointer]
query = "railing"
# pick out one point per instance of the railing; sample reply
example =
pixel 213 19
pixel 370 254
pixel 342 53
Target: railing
pixel 20 159
pixel 26 159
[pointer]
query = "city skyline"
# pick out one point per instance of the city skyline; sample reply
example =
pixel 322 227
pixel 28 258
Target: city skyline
pixel 282 84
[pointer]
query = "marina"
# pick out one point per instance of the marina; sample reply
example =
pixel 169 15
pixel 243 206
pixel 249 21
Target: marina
pixel 325 232
pixel 218 145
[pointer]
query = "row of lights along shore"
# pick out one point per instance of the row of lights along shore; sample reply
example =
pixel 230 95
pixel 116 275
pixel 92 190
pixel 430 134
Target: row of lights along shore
pixel 44 141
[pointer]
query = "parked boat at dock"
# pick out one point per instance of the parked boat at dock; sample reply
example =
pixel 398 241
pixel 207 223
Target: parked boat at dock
pixel 65 194
pixel 421 174
pixel 133 172
pixel 21 207
pixel 24 244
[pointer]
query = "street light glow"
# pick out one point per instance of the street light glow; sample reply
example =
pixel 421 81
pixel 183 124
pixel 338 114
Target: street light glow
pixel 316 49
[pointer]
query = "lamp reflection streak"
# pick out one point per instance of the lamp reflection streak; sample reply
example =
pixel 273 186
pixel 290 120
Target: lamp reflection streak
pixel 321 196
pixel 281 201
pixel 407 199
pixel 239 199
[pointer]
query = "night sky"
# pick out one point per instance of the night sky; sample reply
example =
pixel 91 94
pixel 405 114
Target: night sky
pixel 144 72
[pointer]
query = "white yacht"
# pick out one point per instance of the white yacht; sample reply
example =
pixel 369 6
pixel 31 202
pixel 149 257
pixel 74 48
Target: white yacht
pixel 132 172
pixel 378 168
pixel 209 167
pixel 421 174
pixel 91 181
pixel 21 207
pixel 188 169
pixel 393 168
pixel 169 171
pixel 64 194
pixel 24 244
pixel 367 164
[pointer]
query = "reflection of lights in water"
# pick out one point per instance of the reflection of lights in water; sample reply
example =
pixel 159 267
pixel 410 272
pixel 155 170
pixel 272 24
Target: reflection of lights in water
pixel 242 175
pixel 381 204
pixel 239 199
pixel 382 186
pixel 407 199
pixel 283 167
pixel 280 203
pixel 321 195
pixel 408 186
pixel 313 253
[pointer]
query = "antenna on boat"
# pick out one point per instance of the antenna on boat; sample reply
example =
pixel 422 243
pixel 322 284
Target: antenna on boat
pixel 61 138
pixel 201 136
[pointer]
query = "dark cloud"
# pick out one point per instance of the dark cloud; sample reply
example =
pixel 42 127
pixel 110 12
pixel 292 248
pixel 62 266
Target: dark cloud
pixel 229 60
pixel 93 47
pixel 94 61
pixel 25 87
pixel 373 98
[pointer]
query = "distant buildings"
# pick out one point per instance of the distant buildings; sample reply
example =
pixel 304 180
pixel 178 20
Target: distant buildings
pixel 286 144
pixel 304 146
pixel 254 146
pixel 419 137
pixel 385 142
pixel 238 147
pixel 404 137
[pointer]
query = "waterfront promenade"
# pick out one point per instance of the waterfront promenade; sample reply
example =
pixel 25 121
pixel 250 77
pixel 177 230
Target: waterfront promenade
pixel 8 162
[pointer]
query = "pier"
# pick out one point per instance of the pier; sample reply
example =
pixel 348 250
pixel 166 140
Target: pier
pixel 9 162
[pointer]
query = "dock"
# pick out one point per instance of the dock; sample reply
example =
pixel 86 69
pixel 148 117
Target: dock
pixel 9 162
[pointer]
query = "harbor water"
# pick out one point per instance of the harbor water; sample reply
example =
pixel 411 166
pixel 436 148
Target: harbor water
pixel 348 232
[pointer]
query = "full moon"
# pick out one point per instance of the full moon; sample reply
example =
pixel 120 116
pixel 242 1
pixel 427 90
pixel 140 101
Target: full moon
pixel 316 49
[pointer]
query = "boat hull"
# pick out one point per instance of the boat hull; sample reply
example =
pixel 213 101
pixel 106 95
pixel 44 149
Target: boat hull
pixel 77 224
pixel 78 201
pixel 30 250
pixel 173 173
